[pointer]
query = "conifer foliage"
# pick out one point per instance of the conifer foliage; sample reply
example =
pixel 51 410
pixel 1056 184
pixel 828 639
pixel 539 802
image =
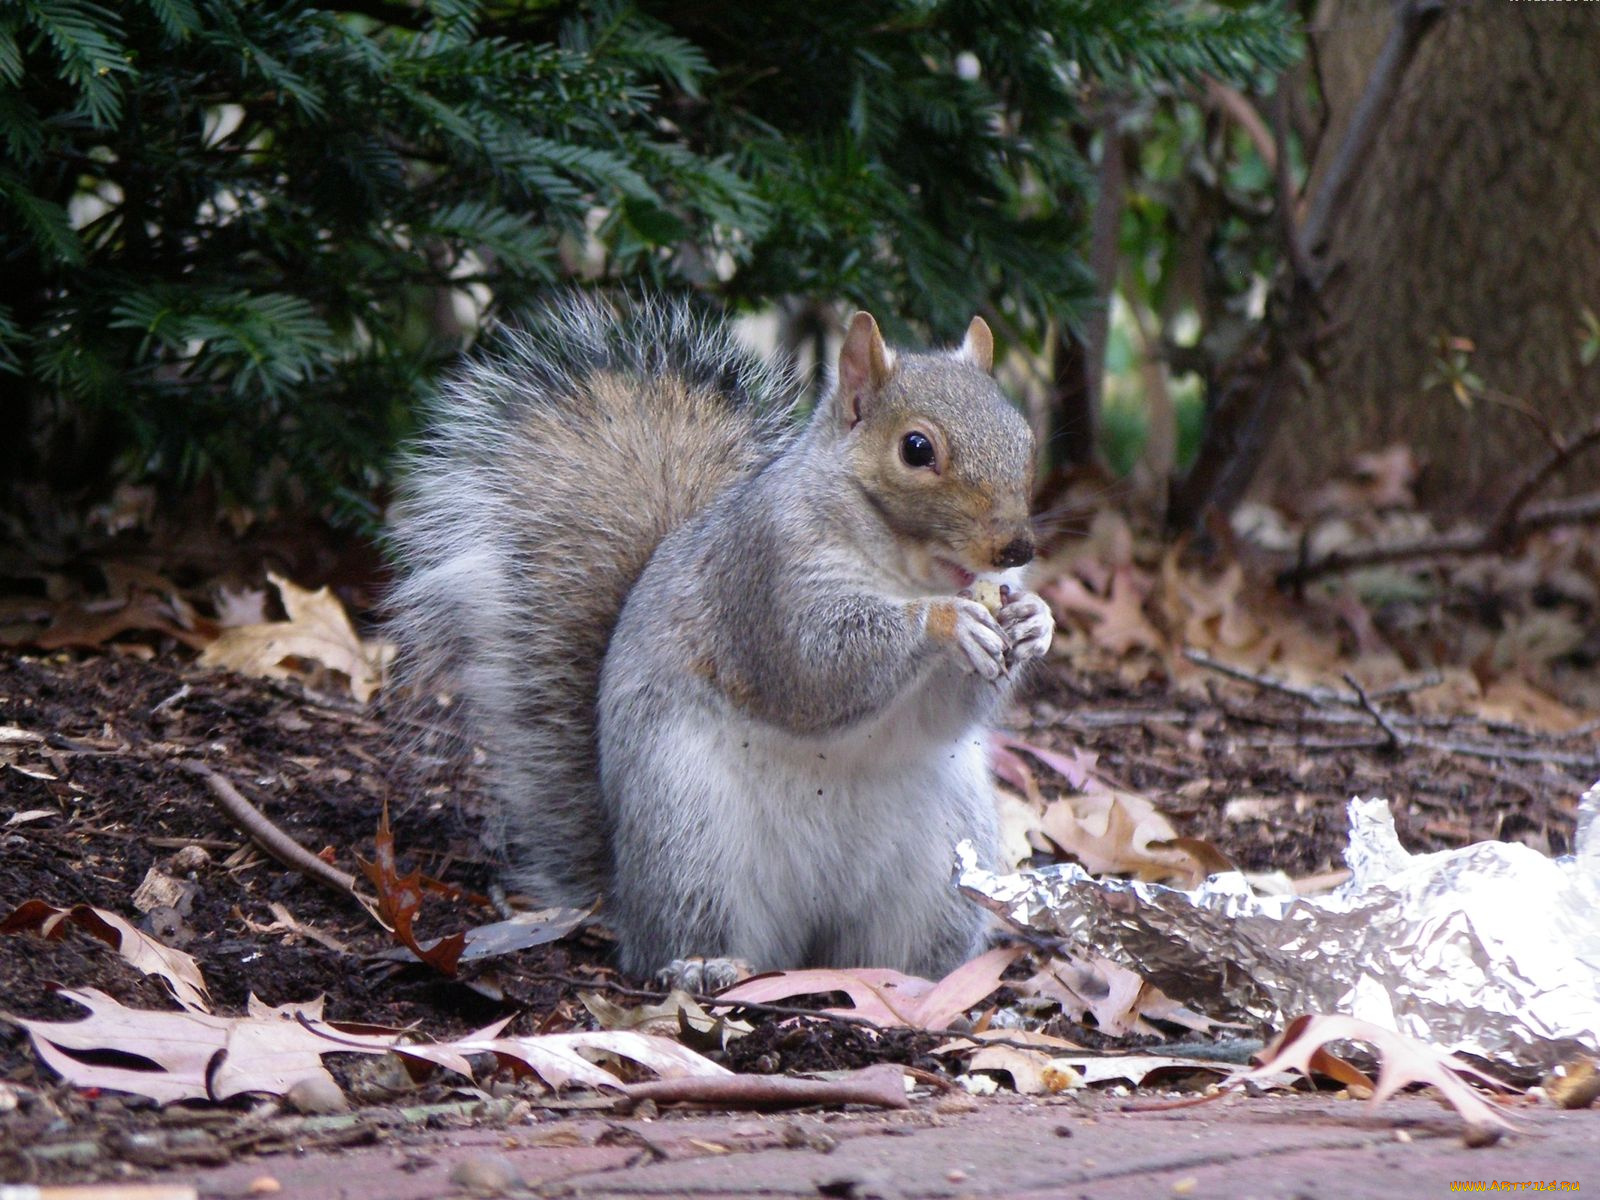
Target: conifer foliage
pixel 230 231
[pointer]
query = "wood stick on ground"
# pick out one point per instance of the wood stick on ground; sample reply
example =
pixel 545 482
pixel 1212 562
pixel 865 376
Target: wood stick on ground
pixel 1396 740
pixel 250 821
pixel 1269 683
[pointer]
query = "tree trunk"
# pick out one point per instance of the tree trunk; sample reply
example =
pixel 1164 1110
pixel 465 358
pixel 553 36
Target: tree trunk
pixel 1477 216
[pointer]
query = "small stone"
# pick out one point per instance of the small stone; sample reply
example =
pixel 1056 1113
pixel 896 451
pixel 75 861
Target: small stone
pixel 379 1078
pixel 1402 1136
pixel 1475 1137
pixel 190 858
pixel 487 1175
pixel 264 1185
pixel 315 1096
pixel 956 1175
pixel 1182 1187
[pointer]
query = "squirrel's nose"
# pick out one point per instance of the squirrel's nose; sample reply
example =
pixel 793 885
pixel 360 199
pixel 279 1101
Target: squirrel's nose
pixel 1015 553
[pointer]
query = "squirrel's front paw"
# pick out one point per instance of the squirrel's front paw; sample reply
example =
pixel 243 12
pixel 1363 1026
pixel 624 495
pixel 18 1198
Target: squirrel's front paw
pixel 975 634
pixel 1028 625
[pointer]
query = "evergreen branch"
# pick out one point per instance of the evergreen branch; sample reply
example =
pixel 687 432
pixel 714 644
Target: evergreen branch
pixel 86 38
pixel 47 221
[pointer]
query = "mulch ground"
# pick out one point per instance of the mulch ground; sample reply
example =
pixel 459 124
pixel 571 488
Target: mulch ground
pixel 92 796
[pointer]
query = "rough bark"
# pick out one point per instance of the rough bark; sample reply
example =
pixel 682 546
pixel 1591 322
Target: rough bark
pixel 1477 216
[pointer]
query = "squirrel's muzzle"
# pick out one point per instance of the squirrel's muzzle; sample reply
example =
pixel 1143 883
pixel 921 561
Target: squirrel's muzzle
pixel 1015 553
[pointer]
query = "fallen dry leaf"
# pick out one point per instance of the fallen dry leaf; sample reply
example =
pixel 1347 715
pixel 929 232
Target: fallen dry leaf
pixel 556 1059
pixel 1075 766
pixel 885 997
pixel 1402 1061
pixel 91 624
pixel 318 629
pixel 195 1056
pixel 1117 999
pixel 176 969
pixel 522 930
pixel 1033 1072
pixel 1116 620
pixel 1521 703
pixel 1115 832
pixel 400 899
pixel 679 1015
pixel 1030 1039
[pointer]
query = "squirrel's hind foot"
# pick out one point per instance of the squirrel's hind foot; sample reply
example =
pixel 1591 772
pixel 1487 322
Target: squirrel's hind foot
pixel 703 976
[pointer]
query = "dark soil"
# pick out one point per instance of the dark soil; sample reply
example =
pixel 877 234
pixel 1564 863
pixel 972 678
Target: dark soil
pixel 92 797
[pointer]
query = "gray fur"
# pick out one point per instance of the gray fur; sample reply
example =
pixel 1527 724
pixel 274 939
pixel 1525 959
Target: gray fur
pixel 784 744
pixel 549 471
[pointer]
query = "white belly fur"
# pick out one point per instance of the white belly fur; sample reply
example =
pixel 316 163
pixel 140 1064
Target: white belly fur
pixel 832 848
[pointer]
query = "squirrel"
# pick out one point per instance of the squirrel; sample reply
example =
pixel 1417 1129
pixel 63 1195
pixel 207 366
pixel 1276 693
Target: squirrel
pixel 724 662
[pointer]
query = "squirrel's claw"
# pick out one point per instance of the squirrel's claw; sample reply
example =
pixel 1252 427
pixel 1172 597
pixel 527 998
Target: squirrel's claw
pixel 1028 625
pixel 981 641
pixel 702 976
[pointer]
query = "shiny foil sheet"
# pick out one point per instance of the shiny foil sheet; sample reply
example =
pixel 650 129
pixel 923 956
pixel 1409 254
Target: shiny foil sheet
pixel 1491 950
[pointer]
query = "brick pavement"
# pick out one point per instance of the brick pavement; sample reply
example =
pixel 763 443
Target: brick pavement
pixel 1278 1147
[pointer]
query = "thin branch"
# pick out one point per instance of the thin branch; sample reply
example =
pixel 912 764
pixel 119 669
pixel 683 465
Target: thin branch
pixel 1231 101
pixel 1518 517
pixel 250 821
pixel 1562 453
pixel 1413 19
pixel 1315 696
pixel 1396 740
pixel 1287 198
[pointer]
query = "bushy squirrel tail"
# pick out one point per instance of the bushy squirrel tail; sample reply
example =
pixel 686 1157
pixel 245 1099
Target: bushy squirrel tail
pixel 550 469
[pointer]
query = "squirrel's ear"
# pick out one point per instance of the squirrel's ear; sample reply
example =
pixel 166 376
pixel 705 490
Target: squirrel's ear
pixel 978 348
pixel 864 367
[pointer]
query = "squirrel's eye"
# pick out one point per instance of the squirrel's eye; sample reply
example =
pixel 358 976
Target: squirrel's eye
pixel 916 449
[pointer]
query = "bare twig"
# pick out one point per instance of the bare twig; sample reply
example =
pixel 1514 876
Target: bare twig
pixel 1489 752
pixel 1562 452
pixel 1087 721
pixel 1518 517
pixel 250 821
pixel 1406 686
pixel 1396 740
pixel 1233 102
pixel 1399 731
pixel 1551 514
pixel 1412 21
pixel 1524 410
pixel 1269 683
pixel 1507 753
pixel 1287 200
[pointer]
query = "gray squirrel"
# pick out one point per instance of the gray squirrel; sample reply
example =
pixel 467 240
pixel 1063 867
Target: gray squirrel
pixel 723 662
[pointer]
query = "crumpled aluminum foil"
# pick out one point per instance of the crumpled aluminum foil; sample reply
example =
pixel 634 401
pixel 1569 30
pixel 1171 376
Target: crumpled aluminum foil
pixel 1491 950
